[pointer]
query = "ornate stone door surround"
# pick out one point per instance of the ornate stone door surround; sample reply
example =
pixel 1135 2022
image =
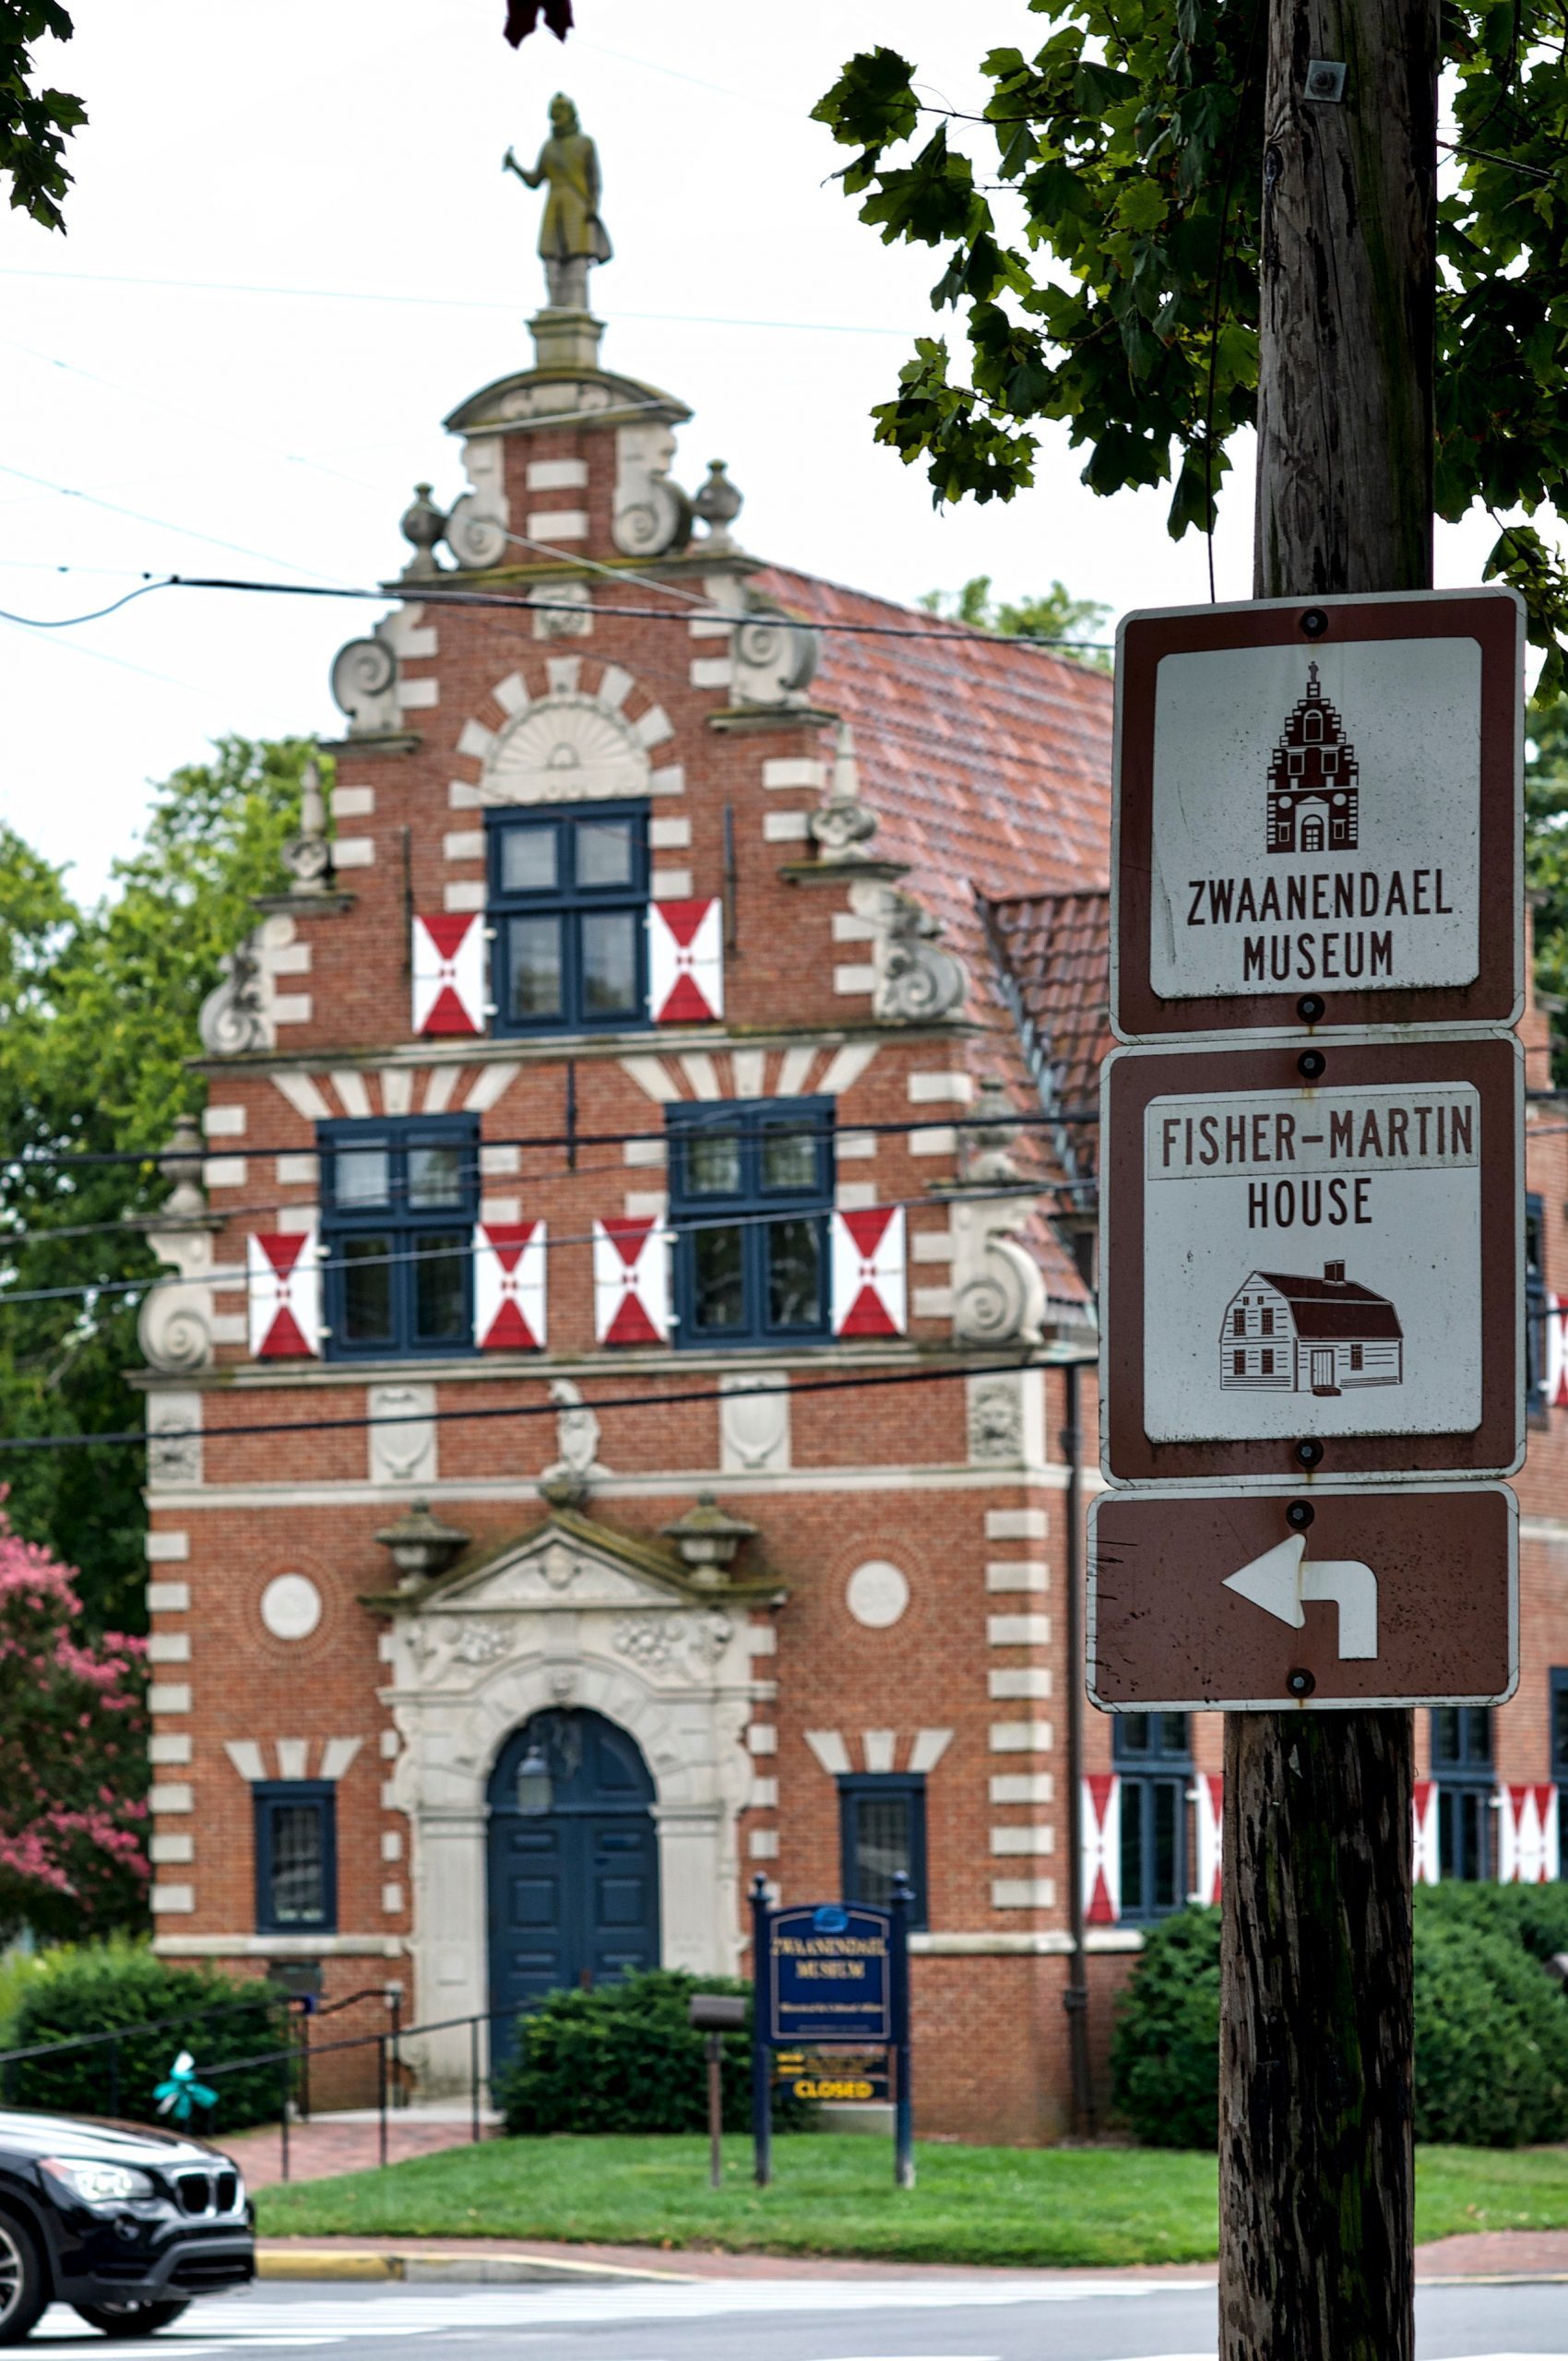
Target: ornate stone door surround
pixel 569 1614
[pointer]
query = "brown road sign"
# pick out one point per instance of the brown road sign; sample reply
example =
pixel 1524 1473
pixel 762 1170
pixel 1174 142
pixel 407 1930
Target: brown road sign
pixel 1313 1259
pixel 1318 813
pixel 1211 1599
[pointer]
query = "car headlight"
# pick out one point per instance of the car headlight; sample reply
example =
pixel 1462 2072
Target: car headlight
pixel 96 2184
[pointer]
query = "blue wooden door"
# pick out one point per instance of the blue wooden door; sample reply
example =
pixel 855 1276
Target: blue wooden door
pixel 574 1891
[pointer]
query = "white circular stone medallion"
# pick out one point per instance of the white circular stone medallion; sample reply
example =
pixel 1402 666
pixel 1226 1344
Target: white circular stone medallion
pixel 876 1594
pixel 290 1606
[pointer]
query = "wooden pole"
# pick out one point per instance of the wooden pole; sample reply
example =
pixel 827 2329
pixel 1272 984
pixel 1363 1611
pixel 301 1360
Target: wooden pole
pixel 1316 2170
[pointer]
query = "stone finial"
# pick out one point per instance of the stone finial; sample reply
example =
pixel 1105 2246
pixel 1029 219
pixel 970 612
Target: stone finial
pixel 842 825
pixel 707 1539
pixel 718 502
pixel 987 1136
pixel 420 1546
pixel 422 524
pixel 308 856
pixel 182 1164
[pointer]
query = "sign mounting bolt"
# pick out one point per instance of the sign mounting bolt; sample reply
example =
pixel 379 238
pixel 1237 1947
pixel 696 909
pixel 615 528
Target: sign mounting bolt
pixel 1301 1682
pixel 1311 1064
pixel 1314 623
pixel 1309 1009
pixel 1325 81
pixel 1299 1514
pixel 1308 1454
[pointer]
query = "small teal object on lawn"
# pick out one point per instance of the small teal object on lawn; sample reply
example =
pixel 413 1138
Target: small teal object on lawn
pixel 182 2095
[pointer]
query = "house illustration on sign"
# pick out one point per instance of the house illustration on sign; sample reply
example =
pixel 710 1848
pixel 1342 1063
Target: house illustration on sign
pixel 1289 1333
pixel 1313 779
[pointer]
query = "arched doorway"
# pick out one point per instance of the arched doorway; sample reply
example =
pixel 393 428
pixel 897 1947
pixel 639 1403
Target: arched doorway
pixel 573 1890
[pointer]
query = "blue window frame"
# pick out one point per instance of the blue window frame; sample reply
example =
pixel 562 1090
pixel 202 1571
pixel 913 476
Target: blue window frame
pixel 1153 1754
pixel 881 1831
pixel 1462 1766
pixel 1558 1736
pixel 296 1857
pixel 568 908
pixel 1536 1313
pixel 751 1190
pixel 398 1202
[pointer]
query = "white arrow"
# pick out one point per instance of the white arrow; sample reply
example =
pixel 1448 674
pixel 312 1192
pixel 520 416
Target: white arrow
pixel 1280 1583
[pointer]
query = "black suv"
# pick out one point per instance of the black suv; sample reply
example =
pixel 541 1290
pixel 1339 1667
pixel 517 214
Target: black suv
pixel 122 2225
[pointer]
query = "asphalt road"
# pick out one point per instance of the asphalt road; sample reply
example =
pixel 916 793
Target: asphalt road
pixel 794 2321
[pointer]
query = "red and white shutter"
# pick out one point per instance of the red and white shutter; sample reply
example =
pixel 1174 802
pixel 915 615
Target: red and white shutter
pixel 283 1279
pixel 1556 1372
pixel 1424 1813
pixel 1526 1828
pixel 870 1285
pixel 685 961
pixel 448 972
pixel 509 1282
pixel 631 1282
pixel 1210 1789
pixel 1102 1866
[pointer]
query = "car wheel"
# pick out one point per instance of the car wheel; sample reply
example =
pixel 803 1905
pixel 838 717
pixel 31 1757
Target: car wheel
pixel 24 2290
pixel 129 2320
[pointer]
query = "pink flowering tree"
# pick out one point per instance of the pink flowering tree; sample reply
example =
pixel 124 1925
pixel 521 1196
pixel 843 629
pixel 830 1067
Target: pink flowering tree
pixel 72 1756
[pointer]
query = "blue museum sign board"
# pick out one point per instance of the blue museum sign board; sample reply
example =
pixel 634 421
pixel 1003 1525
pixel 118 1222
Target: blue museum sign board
pixel 828 1975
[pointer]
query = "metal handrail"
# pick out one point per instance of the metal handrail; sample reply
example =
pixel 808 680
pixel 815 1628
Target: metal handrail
pixel 285 2058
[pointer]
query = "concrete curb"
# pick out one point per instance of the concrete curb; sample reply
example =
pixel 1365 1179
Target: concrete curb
pixel 496 2269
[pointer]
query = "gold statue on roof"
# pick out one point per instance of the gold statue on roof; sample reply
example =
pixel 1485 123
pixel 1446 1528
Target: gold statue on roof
pixel 571 236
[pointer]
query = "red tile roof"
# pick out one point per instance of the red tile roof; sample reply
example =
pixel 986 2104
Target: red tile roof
pixel 988 764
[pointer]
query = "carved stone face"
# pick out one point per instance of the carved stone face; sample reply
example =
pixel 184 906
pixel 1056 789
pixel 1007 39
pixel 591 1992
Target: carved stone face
pixel 563 116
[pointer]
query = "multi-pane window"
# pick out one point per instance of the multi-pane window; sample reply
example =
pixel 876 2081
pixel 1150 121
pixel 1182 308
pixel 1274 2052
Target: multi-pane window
pixel 1154 1758
pixel 751 1190
pixel 1536 1313
pixel 398 1207
pixel 296 1858
pixel 568 908
pixel 1461 1764
pixel 881 1831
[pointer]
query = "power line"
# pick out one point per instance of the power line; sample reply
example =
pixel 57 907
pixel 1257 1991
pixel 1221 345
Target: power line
pixel 135 1438
pixel 429 595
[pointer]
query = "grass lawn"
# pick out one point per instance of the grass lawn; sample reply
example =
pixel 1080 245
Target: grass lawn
pixel 834 2195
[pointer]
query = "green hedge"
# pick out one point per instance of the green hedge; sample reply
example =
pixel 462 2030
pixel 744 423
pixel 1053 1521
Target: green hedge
pixel 624 2058
pixel 1491 2027
pixel 94 1989
pixel 1165 2049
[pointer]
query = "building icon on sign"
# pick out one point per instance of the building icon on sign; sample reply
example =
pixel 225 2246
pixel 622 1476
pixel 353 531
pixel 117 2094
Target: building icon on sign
pixel 1285 1332
pixel 1313 779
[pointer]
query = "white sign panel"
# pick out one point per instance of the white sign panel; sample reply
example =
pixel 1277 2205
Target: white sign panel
pixel 1312 1259
pixel 1316 818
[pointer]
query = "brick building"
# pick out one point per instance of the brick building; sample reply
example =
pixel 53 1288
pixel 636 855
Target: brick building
pixel 609 1430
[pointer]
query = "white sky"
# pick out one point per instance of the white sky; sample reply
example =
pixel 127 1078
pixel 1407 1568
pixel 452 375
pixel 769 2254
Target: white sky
pixel 292 251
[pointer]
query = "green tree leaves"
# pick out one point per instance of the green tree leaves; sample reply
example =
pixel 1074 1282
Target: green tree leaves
pixel 1125 304
pixel 98 1012
pixel 34 124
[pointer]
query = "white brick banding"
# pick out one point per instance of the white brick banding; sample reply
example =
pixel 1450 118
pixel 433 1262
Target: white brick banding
pixel 1016 1573
pixel 1014 1681
pixel 1017 1524
pixel 1021 1737
pixel 1018 1631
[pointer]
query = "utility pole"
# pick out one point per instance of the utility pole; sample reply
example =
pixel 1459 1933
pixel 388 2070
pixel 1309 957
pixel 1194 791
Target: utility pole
pixel 1316 2167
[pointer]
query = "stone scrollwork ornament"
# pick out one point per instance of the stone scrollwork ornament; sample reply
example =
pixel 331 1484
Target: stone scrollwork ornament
pixel 652 515
pixel 475 537
pixel 775 660
pixel 232 1018
pixel 998 1287
pixel 916 982
pixel 365 686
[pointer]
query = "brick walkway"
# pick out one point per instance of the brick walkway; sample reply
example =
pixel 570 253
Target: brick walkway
pixel 344 2144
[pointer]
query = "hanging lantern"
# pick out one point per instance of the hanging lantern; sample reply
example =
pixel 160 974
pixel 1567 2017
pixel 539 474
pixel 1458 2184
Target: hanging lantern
pixel 535 1789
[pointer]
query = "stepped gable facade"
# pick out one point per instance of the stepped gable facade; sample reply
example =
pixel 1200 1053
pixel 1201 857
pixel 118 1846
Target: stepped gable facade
pixel 624 1067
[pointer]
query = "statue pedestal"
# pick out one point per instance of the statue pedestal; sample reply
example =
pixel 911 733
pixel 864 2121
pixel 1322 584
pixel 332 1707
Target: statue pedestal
pixel 565 339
